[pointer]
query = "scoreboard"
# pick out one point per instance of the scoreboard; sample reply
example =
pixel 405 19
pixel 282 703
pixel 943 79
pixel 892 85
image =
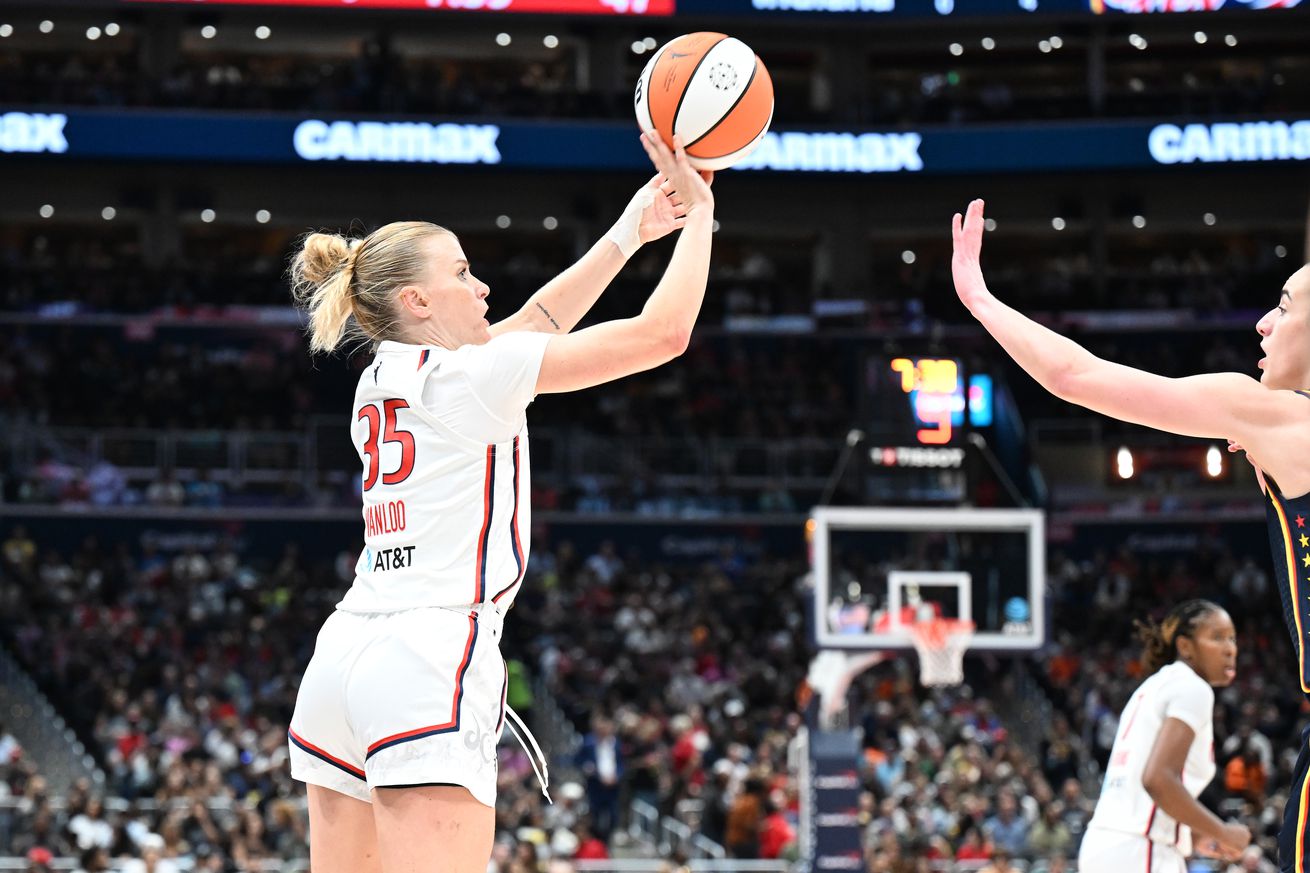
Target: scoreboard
pixel 924 401
pixel 917 414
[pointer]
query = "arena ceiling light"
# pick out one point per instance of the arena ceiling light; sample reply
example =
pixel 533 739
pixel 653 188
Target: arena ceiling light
pixel 502 221
pixel 638 47
pixel 1044 46
pixel 263 32
pixel 1200 37
pixel 1123 462
pixel 956 49
pixel 908 257
pixel 108 213
pixel 1139 221
pixel 503 39
pixel 1209 219
pixel 208 215
pixel 263 216
pixel 1214 462
pixel 1280 251
pixel 1230 40
pixel 6 30
pixel 46 211
pixel 93 32
pixel 988 43
pixel 989 224
pixel 1058 223
pixel 1056 42
pixel 46 26
pixel 550 41
pixel 1137 41
pixel 112 29
pixel 550 222
pixel 209 31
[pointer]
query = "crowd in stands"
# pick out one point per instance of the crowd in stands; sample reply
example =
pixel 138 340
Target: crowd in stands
pixel 686 683
pixel 180 668
pixel 950 778
pixel 902 88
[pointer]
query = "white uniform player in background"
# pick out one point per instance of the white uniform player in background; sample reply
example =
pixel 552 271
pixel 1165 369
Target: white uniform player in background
pixel 1148 818
pixel 400 709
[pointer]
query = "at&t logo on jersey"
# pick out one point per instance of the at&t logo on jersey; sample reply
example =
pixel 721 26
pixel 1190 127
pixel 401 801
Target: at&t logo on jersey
pixel 33 132
pixel 386 559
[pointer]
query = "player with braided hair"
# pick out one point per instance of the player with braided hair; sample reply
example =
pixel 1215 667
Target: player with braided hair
pixel 1163 755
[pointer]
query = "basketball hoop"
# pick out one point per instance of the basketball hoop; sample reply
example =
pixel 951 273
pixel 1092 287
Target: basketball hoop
pixel 941 644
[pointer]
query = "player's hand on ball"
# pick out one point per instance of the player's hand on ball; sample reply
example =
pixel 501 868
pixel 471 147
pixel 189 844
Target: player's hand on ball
pixel 967 234
pixel 665 213
pixel 689 187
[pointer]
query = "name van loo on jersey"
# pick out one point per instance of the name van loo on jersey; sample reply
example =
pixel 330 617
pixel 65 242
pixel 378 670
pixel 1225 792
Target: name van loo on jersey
pixel 397 142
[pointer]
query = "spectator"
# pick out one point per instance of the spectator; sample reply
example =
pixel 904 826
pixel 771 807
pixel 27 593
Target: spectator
pixel 601 761
pixel 1245 775
pixel 39 860
pixel 95 860
pixel 744 819
pixel 165 491
pixel 1050 835
pixel 776 833
pixel 972 847
pixel 1007 830
pixel 1060 752
pixel 999 863
pixel 90 829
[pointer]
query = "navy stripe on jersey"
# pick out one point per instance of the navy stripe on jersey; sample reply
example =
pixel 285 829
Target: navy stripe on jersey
pixel 484 538
pixel 423 358
pixel 514 531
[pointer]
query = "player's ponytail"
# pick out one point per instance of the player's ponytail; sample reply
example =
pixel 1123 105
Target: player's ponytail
pixel 1160 641
pixel 348 286
pixel 320 282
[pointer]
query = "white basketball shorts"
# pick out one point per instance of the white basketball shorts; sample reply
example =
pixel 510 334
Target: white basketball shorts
pixel 1106 851
pixel 402 698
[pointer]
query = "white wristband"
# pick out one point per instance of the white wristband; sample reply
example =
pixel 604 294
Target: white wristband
pixel 626 231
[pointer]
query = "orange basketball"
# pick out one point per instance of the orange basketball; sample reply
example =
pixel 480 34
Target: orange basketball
pixel 713 91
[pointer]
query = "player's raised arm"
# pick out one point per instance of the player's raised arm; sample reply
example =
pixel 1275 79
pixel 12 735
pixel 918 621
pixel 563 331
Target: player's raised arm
pixel 661 332
pixel 654 211
pixel 1215 405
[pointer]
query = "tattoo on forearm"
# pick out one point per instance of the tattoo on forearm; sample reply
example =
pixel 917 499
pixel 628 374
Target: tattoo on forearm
pixel 548 316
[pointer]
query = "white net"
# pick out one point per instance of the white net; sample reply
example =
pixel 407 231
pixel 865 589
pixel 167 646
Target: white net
pixel 941 644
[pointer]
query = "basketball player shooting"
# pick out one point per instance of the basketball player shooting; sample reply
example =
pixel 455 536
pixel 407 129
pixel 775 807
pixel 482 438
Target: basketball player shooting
pixel 1270 419
pixel 402 705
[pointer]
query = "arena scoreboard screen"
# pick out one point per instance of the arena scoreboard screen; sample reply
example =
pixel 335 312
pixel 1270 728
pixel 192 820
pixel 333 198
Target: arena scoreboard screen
pixel 868 9
pixel 536 7
pixel 923 401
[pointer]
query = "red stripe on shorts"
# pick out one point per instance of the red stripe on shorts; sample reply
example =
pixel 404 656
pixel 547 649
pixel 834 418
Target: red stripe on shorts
pixel 445 727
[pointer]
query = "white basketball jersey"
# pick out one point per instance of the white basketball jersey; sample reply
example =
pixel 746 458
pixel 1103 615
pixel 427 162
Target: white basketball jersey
pixel 444 443
pixel 1175 691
